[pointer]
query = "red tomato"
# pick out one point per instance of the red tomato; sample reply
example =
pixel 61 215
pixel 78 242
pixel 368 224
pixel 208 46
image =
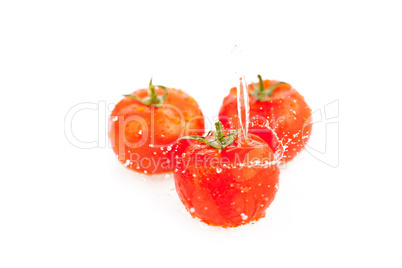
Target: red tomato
pixel 144 127
pixel 277 106
pixel 227 187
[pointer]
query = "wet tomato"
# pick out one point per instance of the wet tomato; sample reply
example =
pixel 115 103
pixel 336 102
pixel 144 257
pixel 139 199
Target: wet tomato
pixel 226 180
pixel 144 127
pixel 278 114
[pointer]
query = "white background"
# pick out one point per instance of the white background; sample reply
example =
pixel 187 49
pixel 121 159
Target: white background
pixel 62 206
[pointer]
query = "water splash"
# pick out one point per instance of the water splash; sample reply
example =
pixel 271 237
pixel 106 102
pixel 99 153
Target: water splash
pixel 237 67
pixel 281 147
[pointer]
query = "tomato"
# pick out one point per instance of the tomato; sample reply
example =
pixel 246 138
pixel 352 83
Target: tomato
pixel 144 127
pixel 278 114
pixel 226 180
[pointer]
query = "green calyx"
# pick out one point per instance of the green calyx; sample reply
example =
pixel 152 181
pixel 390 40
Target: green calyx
pixel 262 94
pixel 219 141
pixel 153 97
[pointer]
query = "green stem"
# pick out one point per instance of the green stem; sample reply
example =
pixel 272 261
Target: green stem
pixel 152 91
pixel 219 141
pixel 262 94
pixel 153 97
pixel 219 132
pixel 261 83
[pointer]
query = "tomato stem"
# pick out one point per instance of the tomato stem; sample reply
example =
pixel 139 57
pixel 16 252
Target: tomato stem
pixel 220 141
pixel 262 94
pixel 261 83
pixel 153 97
pixel 219 132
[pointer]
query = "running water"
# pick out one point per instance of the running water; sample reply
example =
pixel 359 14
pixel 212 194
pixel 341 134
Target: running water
pixel 243 107
pixel 237 66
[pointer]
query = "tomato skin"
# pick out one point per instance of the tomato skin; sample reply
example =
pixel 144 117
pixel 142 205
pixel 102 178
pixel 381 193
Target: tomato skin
pixel 144 137
pixel 216 188
pixel 286 113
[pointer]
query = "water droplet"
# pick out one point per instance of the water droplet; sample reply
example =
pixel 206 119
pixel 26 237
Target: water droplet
pixel 244 216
